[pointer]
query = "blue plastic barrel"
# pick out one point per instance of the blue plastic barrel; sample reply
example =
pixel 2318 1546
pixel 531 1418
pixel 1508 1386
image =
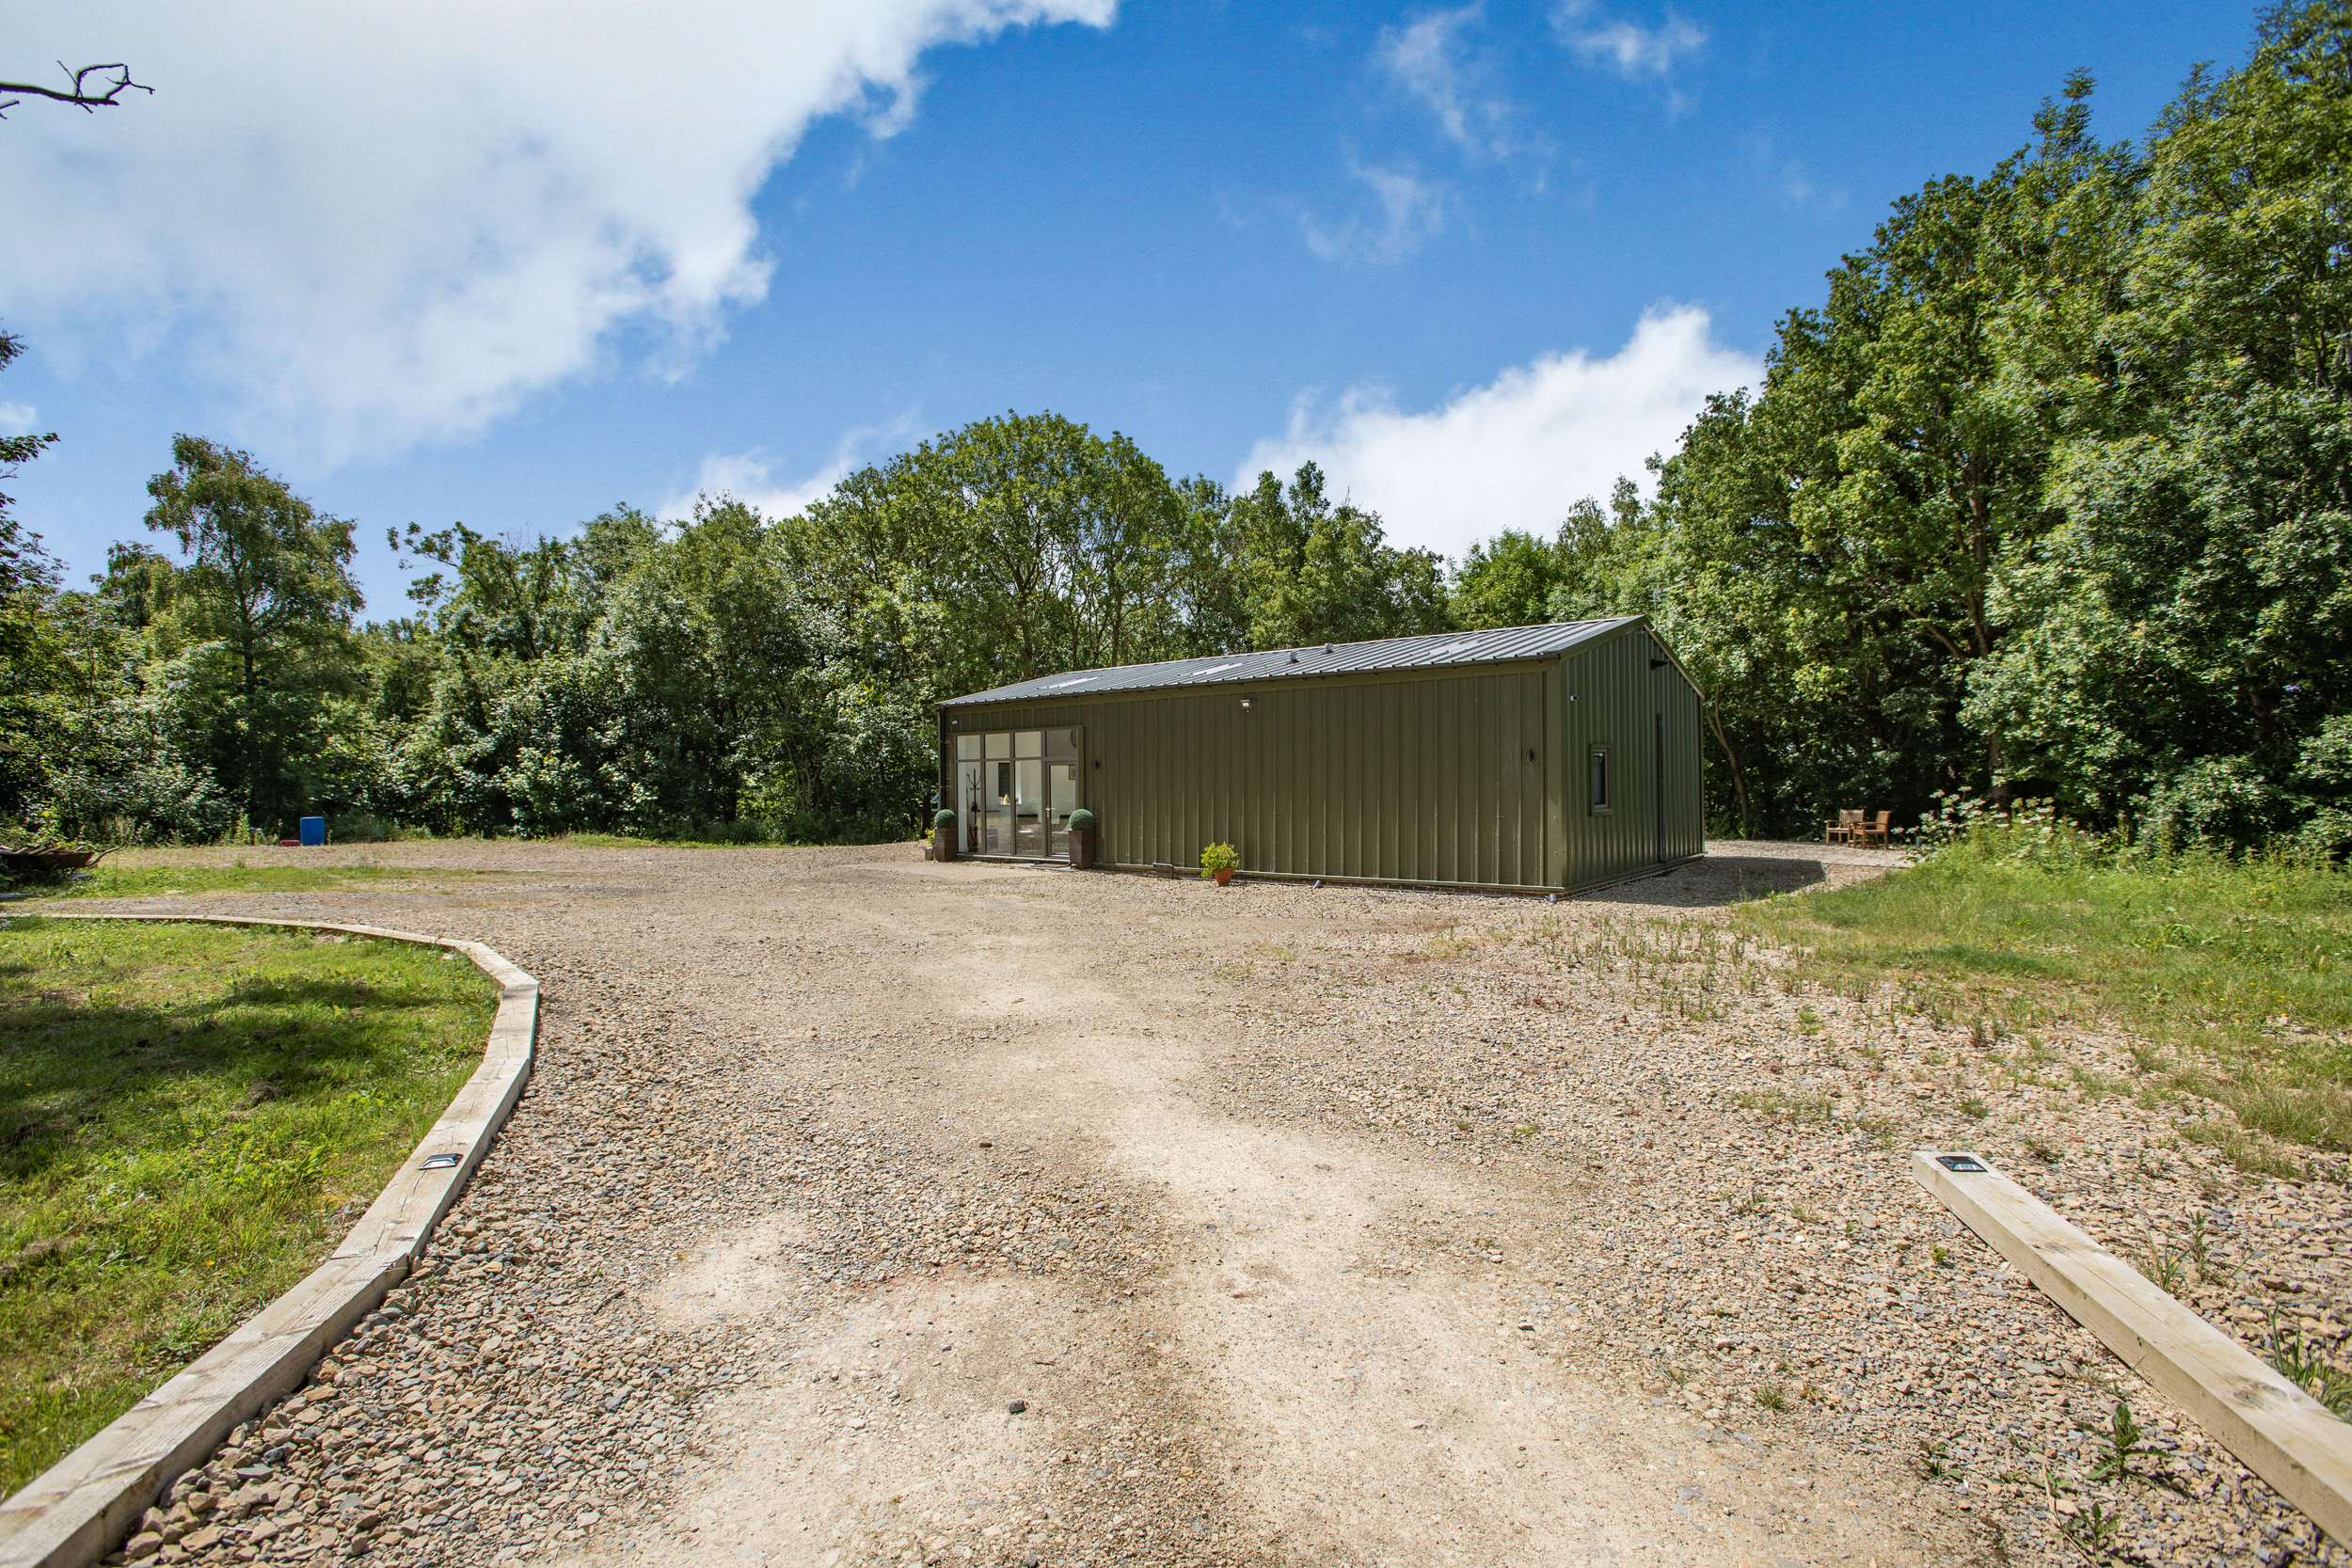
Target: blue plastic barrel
pixel 314 830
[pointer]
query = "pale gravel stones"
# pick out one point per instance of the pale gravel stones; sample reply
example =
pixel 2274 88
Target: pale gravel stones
pixel 1763 1233
pixel 1688 1181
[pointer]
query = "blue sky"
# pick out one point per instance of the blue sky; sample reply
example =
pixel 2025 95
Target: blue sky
pixel 1476 261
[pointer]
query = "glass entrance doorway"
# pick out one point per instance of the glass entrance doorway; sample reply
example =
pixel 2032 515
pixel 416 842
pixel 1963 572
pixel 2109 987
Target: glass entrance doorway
pixel 1015 790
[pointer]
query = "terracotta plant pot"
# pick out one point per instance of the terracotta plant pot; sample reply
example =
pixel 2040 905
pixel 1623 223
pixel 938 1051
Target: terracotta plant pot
pixel 1081 848
pixel 1225 876
pixel 942 844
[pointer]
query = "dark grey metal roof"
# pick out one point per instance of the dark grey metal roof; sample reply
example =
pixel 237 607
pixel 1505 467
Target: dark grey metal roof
pixel 1438 650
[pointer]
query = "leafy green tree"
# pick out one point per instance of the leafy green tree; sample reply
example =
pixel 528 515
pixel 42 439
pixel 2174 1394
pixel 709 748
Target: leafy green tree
pixel 1505 582
pixel 27 645
pixel 264 607
pixel 1315 572
pixel 2183 642
pixel 1519 580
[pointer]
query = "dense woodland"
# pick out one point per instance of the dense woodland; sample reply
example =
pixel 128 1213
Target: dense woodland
pixel 2051 496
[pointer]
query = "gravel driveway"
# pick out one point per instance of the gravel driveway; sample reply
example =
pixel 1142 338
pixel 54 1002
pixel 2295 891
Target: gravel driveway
pixel 863 1210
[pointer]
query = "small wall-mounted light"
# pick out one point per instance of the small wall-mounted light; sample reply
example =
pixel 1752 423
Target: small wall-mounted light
pixel 1245 704
pixel 1657 664
pixel 1530 753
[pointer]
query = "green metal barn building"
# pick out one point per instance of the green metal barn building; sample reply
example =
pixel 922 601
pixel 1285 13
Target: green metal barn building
pixel 1528 758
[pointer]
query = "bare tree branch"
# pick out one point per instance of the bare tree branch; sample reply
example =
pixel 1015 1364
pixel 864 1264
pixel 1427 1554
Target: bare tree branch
pixel 79 94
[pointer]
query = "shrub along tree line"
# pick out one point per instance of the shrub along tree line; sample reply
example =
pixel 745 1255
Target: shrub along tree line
pixel 2052 496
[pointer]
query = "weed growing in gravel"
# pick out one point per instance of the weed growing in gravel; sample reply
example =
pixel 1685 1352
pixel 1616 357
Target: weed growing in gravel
pixel 1780 1105
pixel 2241 967
pixel 2161 1268
pixel 2090 1531
pixel 2043 1150
pixel 188 1114
pixel 2304 1365
pixel 1942 1256
pixel 2125 1439
pixel 2248 1151
pixel 2200 1247
pixel 1881 1130
pixel 1974 1107
pixel 1771 1396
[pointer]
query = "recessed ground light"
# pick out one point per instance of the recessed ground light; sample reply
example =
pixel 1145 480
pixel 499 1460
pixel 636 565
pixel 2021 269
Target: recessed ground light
pixel 1958 1161
pixel 439 1161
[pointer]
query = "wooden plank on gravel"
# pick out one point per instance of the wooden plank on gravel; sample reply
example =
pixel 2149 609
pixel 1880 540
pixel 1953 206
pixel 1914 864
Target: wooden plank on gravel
pixel 74 1513
pixel 2277 1430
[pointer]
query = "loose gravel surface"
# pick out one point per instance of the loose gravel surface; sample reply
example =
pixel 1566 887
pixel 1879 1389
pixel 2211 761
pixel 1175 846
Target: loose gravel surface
pixel 863 1210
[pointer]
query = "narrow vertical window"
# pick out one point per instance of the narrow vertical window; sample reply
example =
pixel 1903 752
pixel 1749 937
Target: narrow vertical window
pixel 1600 778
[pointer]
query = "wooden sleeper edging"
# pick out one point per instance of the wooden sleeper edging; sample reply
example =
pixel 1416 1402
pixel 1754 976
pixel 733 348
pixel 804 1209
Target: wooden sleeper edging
pixel 2277 1430
pixel 82 1506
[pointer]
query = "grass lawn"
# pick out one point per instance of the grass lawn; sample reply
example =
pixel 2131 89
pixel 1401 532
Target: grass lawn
pixel 190 1118
pixel 109 880
pixel 2237 973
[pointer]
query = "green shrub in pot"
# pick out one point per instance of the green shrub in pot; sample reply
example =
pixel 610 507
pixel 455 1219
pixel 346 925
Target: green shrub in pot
pixel 1082 822
pixel 943 818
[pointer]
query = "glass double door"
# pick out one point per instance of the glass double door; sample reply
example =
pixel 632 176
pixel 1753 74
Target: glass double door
pixel 1015 790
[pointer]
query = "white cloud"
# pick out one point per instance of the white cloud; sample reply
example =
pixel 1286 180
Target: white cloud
pixel 1412 212
pixel 1634 52
pixel 1516 453
pixel 17 419
pixel 382 221
pixel 1429 59
pixel 750 476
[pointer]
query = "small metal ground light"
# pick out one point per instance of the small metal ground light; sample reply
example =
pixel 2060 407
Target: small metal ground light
pixel 439 1161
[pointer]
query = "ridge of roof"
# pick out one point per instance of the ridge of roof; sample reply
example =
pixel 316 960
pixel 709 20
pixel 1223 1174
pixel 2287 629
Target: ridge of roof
pixel 1427 651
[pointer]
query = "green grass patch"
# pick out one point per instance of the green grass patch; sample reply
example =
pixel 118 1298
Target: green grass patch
pixel 2240 969
pixel 190 1118
pixel 139 880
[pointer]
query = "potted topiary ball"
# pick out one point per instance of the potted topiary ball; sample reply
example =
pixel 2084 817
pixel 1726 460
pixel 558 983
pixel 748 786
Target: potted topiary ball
pixel 944 835
pixel 1219 861
pixel 1081 840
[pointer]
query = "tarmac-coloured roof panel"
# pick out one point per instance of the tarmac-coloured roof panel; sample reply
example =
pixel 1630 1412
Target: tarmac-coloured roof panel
pixel 1436 650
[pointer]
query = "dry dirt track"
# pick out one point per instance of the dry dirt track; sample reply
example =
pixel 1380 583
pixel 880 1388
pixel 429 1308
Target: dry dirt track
pixel 832 1156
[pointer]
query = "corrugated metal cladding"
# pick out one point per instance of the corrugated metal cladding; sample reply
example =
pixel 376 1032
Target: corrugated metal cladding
pixel 1633 704
pixel 1443 776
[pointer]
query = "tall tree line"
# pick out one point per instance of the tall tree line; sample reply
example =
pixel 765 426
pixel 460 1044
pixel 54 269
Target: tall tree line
pixel 731 674
pixel 2050 495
